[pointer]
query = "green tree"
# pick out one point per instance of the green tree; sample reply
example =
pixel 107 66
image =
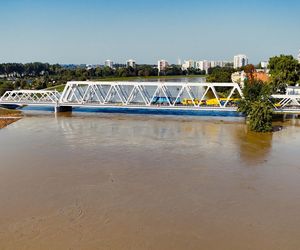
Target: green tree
pixel 173 70
pixel 122 72
pixel 219 74
pixel 107 71
pixel 6 86
pixel 146 70
pixel 249 69
pixel 260 116
pixel 98 72
pixel 284 70
pixel 256 105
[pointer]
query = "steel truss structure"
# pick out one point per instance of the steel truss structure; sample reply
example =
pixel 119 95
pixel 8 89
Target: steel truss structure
pixel 167 94
pixel 30 97
pixel 286 103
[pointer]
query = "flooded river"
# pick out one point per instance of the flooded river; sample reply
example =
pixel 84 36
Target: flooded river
pixel 99 181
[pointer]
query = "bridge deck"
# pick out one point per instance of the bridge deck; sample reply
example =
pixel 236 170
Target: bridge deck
pixel 145 95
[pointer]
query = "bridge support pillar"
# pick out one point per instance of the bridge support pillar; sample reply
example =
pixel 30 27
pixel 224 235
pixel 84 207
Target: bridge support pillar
pixel 63 109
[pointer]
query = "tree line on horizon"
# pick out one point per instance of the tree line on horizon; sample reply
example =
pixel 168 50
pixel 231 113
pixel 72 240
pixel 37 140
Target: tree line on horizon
pixel 283 69
pixel 35 69
pixel 43 75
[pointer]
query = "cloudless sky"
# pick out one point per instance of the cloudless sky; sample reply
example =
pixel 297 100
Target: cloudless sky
pixel 90 31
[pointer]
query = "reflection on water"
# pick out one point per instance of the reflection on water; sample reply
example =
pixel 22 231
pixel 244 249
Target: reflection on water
pixel 254 147
pixel 100 181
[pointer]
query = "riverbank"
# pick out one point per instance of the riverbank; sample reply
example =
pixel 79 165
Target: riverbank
pixel 60 87
pixel 8 116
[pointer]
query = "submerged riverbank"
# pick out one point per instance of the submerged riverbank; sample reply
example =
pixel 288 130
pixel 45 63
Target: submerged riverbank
pixel 8 116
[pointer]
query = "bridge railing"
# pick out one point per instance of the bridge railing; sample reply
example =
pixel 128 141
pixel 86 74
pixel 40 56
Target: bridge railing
pixel 171 94
pixel 148 93
pixel 30 97
pixel 286 102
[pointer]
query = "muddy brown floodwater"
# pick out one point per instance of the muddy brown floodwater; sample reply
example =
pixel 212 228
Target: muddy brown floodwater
pixel 131 182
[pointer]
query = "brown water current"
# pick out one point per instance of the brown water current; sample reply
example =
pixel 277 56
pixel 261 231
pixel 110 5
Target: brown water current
pixel 132 182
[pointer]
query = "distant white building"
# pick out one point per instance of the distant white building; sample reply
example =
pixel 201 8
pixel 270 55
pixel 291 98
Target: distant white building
pixel 88 66
pixel 214 64
pixel 162 65
pixel 206 65
pixel 109 63
pixel 264 64
pixel 130 63
pixel 239 77
pixel 240 61
pixel 203 65
pixel 199 65
pixel 188 64
pixel 293 90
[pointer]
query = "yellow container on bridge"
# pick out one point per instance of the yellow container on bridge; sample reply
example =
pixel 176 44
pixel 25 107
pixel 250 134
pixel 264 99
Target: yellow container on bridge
pixel 215 101
pixel 188 102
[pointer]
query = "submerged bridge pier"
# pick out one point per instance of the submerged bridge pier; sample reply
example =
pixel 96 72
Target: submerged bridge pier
pixel 58 109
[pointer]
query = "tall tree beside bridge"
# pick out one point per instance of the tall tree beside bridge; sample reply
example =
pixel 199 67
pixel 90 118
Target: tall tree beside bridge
pixel 284 70
pixel 256 105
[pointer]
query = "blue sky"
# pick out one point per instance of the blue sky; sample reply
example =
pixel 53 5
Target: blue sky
pixel 90 31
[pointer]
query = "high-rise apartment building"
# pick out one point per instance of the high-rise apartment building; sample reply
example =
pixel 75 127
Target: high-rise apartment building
pixel 214 64
pixel 162 65
pixel 188 64
pixel 109 63
pixel 240 61
pixel 264 64
pixel 130 63
pixel 203 65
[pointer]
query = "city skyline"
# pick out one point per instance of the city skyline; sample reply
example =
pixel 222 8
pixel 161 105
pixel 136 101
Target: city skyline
pixel 90 32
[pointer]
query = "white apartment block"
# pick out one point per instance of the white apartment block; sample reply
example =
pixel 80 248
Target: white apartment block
pixel 214 64
pixel 162 65
pixel 109 63
pixel 130 63
pixel 264 64
pixel 199 65
pixel 206 65
pixel 188 64
pixel 240 61
pixel 203 65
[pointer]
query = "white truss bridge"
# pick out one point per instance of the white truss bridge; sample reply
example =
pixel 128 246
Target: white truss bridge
pixel 151 95
pixel 143 95
pixel 31 97
pixel 288 103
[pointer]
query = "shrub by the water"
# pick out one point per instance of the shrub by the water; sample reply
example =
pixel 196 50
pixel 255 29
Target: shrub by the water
pixel 256 106
pixel 260 116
